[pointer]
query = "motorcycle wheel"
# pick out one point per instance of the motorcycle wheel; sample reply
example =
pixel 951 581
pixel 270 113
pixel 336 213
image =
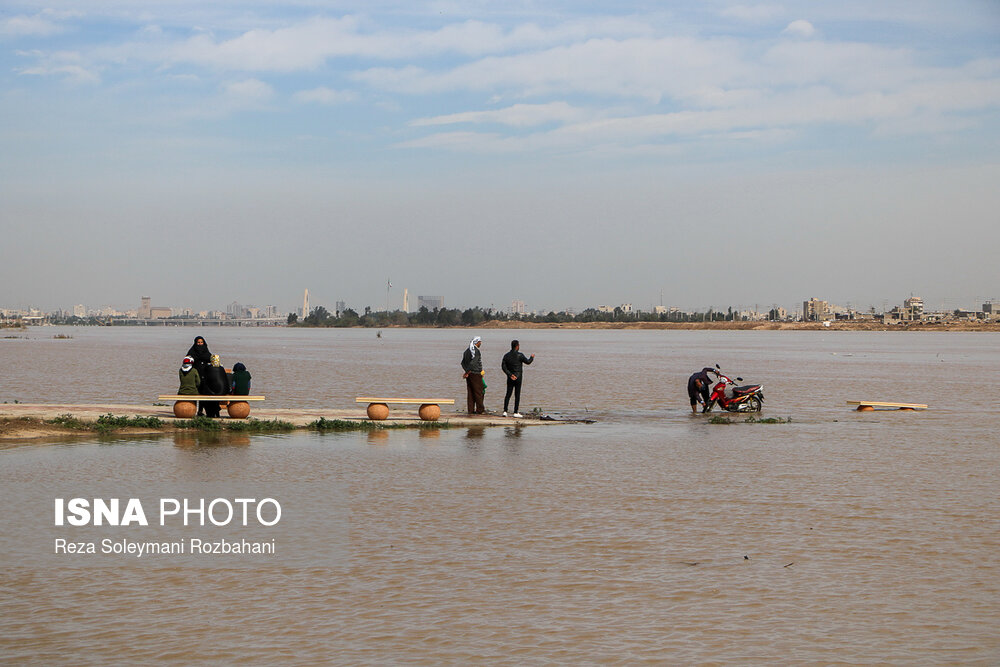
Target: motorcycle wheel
pixel 754 404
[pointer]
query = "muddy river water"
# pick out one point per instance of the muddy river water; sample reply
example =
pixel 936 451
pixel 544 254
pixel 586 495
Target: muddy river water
pixel 649 535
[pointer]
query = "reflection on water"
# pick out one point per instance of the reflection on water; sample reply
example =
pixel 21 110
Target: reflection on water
pixel 193 439
pixel 378 437
pixel 869 538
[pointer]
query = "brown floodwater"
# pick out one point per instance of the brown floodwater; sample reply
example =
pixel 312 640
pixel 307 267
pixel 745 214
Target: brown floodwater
pixel 650 535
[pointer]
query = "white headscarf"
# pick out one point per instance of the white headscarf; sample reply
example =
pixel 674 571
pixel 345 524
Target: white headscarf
pixel 472 345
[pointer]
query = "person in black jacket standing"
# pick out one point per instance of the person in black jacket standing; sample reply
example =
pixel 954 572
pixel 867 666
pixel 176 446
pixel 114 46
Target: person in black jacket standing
pixel 512 367
pixel 472 364
pixel 202 360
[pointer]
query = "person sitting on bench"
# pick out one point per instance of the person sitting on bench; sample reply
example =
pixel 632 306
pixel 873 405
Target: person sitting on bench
pixel 190 380
pixel 240 382
pixel 215 383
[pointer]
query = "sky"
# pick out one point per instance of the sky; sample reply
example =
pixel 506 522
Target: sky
pixel 568 154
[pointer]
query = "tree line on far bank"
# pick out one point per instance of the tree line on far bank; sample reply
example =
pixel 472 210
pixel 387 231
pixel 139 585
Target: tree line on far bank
pixel 453 317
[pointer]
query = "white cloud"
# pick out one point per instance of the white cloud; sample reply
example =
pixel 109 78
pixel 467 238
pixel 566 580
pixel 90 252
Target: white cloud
pixel 634 68
pixel 246 94
pixel 753 13
pixel 772 119
pixel 800 28
pixel 518 115
pixel 43 24
pixel 326 96
pixel 68 65
pixel 29 26
pixel 309 44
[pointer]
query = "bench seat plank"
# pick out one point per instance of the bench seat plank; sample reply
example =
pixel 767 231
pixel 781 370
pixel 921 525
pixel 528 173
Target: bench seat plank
pixel 376 399
pixel 200 397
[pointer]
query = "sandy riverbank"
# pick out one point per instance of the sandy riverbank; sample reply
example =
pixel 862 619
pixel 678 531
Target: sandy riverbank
pixel 34 420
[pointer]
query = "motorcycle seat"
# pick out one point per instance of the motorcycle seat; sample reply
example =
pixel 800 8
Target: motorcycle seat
pixel 745 389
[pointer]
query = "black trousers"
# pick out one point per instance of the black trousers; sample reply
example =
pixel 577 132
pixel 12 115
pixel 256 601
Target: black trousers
pixel 515 387
pixel 474 394
pixel 694 391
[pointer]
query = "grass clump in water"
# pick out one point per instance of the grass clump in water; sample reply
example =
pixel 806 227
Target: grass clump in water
pixel 236 425
pixel 111 422
pixel 324 424
pixel 719 419
pixel 105 423
pixel 768 420
pixel 258 425
pixel 69 421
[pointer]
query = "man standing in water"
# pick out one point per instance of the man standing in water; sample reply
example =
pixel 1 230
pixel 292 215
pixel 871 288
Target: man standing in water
pixel 472 364
pixel 698 385
pixel 511 366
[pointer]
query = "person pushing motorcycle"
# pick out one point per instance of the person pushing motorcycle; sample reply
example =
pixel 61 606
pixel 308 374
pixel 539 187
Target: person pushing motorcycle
pixel 698 385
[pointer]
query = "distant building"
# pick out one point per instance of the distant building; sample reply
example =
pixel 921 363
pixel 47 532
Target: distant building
pixel 341 307
pixel 660 310
pixel 430 302
pixel 914 308
pixel 815 310
pixel 626 307
pixel 79 311
pixel 991 311
pixel 406 300
pixel 605 309
pixel 517 307
pixel 144 309
pixel 158 313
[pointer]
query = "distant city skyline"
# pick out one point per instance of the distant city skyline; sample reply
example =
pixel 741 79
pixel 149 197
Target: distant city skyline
pixel 147 308
pixel 563 154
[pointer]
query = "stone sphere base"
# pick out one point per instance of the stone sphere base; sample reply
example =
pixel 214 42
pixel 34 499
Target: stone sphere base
pixel 185 409
pixel 378 411
pixel 429 412
pixel 238 409
pixel 865 408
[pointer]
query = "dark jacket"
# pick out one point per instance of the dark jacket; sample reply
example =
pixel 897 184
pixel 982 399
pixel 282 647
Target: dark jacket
pixel 189 383
pixel 472 363
pixel 215 382
pixel 702 375
pixel 201 356
pixel 512 363
pixel 241 382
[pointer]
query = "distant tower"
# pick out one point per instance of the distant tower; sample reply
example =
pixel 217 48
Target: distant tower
pixel 305 304
pixel 144 309
pixel 406 300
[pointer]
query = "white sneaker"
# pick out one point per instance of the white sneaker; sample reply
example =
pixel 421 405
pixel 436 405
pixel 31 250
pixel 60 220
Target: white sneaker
pixel 518 415
pixel 505 414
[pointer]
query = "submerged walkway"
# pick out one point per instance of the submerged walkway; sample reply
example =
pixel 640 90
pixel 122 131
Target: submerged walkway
pixel 300 418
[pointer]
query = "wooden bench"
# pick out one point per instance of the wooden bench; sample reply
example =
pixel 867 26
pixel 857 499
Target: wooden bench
pixel 430 410
pixel 868 406
pixel 186 406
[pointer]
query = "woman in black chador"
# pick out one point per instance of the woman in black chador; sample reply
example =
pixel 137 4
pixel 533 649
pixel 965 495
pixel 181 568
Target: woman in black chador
pixel 202 360
pixel 214 383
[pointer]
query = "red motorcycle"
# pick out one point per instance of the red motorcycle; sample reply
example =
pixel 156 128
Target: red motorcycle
pixel 746 398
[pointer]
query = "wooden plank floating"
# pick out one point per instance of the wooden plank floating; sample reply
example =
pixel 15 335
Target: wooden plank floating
pixel 867 406
pixel 417 401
